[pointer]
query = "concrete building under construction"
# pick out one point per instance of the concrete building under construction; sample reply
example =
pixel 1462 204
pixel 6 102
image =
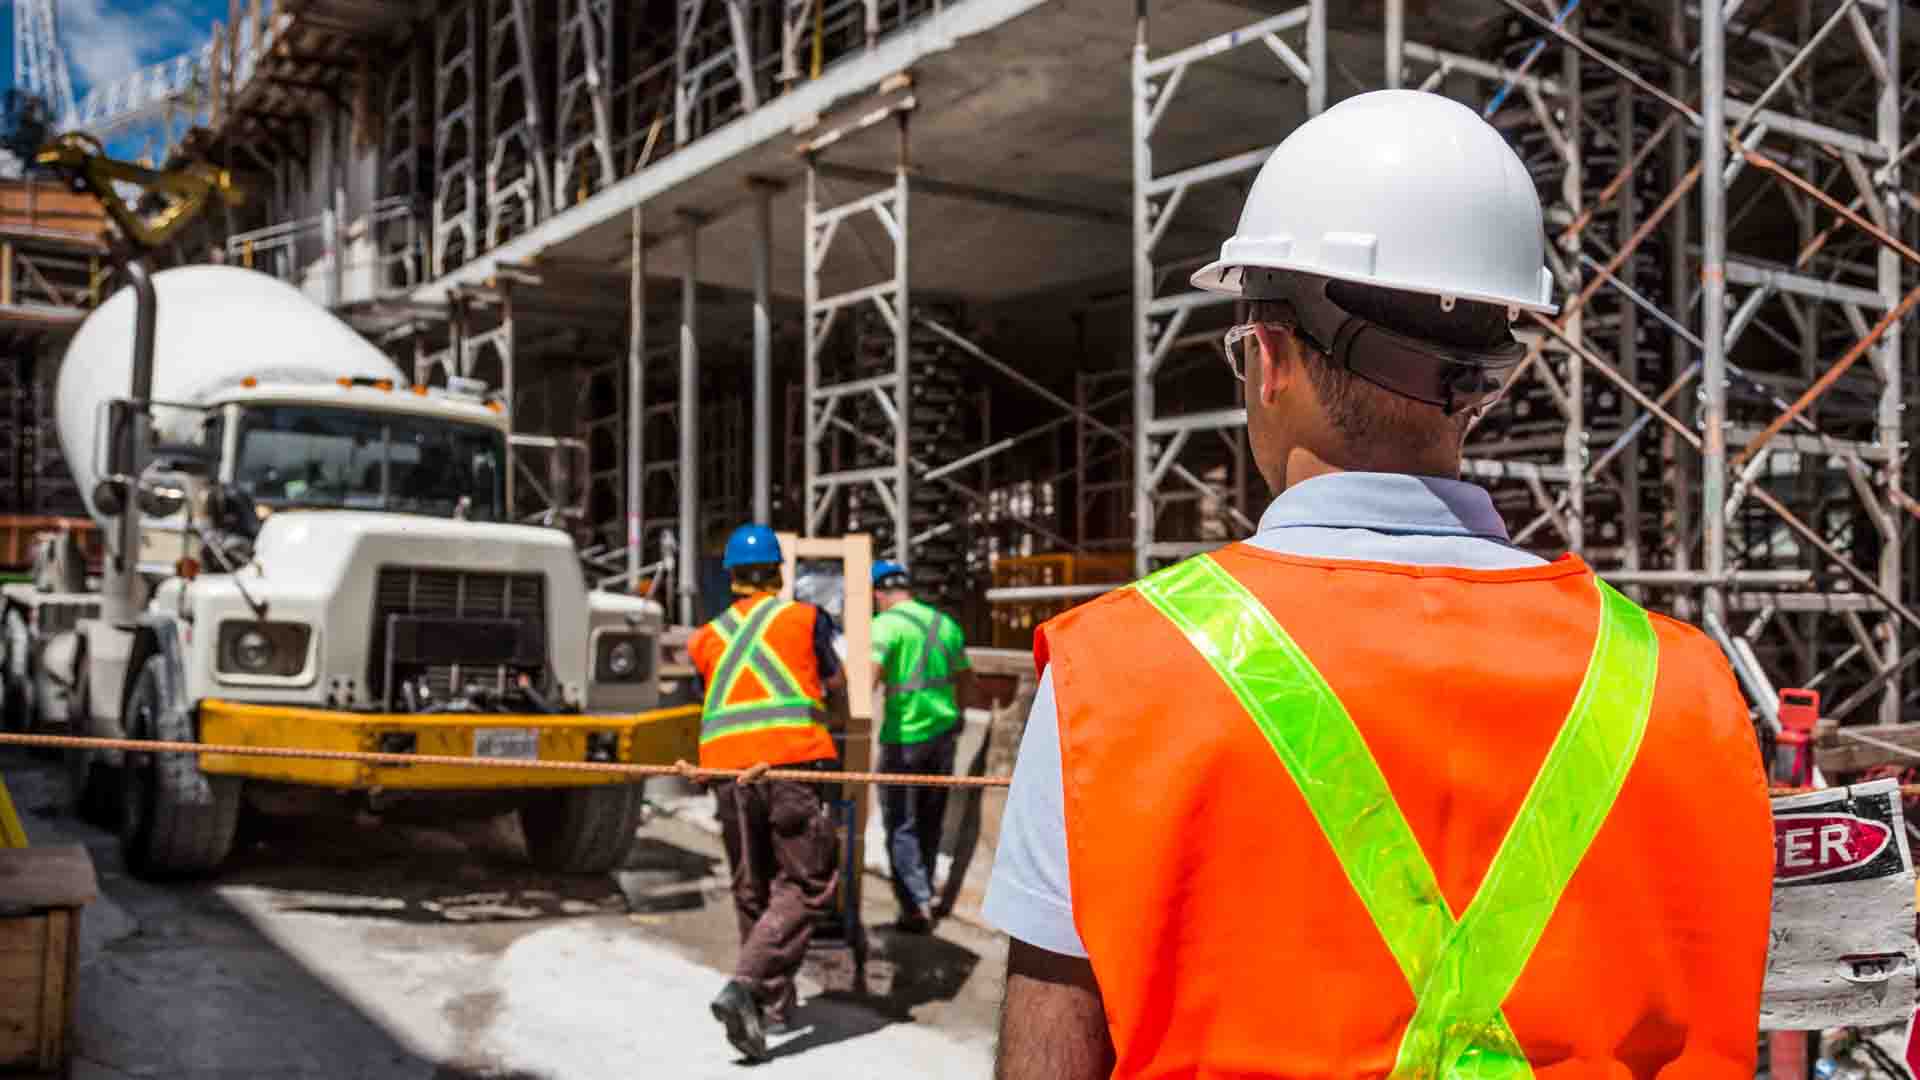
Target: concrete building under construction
pixel 918 268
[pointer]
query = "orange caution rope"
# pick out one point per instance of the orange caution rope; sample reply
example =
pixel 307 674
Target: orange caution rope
pixel 680 768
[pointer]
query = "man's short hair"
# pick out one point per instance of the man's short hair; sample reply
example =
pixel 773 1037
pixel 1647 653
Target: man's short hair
pixel 757 576
pixel 1365 415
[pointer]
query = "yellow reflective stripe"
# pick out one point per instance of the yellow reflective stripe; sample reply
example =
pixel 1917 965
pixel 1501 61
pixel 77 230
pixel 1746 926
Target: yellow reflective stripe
pixel 1460 972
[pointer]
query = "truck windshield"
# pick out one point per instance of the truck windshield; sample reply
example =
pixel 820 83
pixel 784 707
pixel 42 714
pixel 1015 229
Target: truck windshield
pixel 314 456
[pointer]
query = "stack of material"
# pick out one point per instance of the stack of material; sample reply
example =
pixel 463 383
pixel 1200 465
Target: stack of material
pixel 41 893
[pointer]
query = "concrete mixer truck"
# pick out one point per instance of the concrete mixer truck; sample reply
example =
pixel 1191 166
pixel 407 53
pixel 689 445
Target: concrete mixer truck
pixel 312 553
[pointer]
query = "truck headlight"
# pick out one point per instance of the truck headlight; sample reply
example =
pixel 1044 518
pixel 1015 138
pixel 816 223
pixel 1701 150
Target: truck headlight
pixel 623 658
pixel 263 648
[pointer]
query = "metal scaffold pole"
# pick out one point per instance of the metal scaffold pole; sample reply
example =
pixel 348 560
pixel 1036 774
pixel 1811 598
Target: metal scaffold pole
pixel 1891 355
pixel 636 396
pixel 762 352
pixel 902 359
pixel 1140 362
pixel 1713 307
pixel 690 428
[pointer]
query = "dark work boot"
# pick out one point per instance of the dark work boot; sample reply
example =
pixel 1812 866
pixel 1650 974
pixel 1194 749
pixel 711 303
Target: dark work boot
pixel 918 920
pixel 736 1009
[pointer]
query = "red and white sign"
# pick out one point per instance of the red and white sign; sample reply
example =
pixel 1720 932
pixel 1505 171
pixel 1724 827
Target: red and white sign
pixel 1809 846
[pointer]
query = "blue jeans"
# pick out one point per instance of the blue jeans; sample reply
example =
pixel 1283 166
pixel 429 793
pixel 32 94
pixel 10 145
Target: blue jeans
pixel 912 815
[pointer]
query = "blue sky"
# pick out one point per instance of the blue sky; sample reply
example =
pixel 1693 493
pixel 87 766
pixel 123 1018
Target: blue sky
pixel 104 39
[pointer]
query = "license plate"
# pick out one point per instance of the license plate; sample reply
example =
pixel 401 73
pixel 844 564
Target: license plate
pixel 521 744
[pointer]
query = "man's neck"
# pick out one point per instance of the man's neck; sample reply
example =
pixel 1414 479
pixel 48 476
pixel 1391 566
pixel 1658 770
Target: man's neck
pixel 1304 464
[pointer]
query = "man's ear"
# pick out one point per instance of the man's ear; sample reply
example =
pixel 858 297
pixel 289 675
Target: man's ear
pixel 1276 366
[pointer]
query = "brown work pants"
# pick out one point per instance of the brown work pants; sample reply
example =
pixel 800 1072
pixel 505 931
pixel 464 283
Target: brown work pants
pixel 784 857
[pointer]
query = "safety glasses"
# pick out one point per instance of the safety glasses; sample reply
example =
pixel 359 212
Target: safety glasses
pixel 1239 341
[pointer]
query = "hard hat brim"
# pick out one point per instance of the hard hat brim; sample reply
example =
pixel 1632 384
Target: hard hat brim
pixel 1227 278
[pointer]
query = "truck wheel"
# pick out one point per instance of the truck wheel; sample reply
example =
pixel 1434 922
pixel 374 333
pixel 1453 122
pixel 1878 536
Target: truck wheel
pixel 581 830
pixel 91 782
pixel 161 833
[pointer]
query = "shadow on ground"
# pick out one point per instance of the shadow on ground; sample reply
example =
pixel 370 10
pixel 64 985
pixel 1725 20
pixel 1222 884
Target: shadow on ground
pixel 461 871
pixel 904 971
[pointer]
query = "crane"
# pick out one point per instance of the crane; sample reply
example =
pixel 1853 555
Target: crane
pixel 153 92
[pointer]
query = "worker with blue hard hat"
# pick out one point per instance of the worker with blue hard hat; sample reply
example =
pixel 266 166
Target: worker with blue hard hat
pixel 920 659
pixel 766 665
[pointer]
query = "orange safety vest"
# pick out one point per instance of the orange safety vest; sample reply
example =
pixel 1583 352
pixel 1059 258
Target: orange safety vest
pixel 764 694
pixel 1230 939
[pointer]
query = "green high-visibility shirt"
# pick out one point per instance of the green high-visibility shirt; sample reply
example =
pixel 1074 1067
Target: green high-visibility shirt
pixel 919 650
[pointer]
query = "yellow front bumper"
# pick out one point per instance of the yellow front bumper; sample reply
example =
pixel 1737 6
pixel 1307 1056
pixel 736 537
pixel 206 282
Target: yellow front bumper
pixel 659 737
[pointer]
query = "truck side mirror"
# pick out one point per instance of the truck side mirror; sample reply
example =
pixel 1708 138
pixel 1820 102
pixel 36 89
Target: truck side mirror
pixel 110 496
pixel 158 499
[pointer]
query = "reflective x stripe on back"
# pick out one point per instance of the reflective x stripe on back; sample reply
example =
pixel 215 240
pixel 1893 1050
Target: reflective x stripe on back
pixel 1461 970
pixel 744 646
pixel 919 678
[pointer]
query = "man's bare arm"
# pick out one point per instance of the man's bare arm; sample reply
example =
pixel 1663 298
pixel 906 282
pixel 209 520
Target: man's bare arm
pixel 1052 1023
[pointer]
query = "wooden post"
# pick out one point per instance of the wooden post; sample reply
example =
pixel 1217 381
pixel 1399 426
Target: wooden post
pixel 6 273
pixel 854 553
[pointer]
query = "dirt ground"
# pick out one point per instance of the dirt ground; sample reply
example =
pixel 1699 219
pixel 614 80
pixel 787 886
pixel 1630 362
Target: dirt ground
pixel 344 945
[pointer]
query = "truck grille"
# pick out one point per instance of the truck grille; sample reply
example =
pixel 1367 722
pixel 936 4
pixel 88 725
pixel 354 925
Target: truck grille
pixel 407 590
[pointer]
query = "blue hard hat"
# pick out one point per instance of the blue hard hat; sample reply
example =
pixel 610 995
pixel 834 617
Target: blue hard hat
pixel 752 545
pixel 887 568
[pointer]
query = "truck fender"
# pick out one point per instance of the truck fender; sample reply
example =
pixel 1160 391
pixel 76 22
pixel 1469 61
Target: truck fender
pixel 159 635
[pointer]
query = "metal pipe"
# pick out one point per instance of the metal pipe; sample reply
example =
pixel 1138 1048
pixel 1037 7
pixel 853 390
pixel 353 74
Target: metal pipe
pixel 1141 362
pixel 636 395
pixel 689 429
pixel 1573 448
pixel 902 355
pixel 1396 41
pixel 1317 57
pixel 810 343
pixel 119 593
pixel 1891 354
pixel 763 353
pixel 1713 307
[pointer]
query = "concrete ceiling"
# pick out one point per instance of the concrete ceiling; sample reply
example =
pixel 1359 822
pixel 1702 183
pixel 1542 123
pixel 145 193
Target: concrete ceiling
pixel 1022 141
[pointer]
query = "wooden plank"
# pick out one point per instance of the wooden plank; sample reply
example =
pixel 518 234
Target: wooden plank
pixel 26 934
pixel 54 989
pixel 20 1023
pixel 1840 751
pixel 36 878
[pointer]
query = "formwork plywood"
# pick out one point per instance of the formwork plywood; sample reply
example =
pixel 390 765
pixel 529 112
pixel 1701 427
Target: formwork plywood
pixel 30 208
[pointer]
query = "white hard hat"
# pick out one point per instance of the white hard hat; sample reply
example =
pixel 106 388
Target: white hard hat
pixel 1397 189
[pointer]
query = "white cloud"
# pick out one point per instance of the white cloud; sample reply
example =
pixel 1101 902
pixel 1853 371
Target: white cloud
pixel 103 41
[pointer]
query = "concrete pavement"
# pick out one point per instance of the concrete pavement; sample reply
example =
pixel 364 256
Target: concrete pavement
pixel 348 946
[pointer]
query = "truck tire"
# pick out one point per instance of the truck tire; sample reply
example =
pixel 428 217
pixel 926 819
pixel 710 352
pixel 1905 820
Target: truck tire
pixel 581 830
pixel 91 782
pixel 162 833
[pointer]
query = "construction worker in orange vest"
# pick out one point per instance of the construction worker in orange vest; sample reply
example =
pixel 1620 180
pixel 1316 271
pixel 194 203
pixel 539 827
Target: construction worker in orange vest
pixel 1375 792
pixel 766 665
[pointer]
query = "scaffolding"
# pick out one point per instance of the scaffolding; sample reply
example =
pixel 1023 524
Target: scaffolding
pixel 1713 419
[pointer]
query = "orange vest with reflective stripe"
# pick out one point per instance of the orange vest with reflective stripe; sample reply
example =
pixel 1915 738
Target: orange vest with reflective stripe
pixel 1228 940
pixel 789 740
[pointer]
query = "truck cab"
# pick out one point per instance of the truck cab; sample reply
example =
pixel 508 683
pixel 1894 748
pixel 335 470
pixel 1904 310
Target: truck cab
pixel 328 564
